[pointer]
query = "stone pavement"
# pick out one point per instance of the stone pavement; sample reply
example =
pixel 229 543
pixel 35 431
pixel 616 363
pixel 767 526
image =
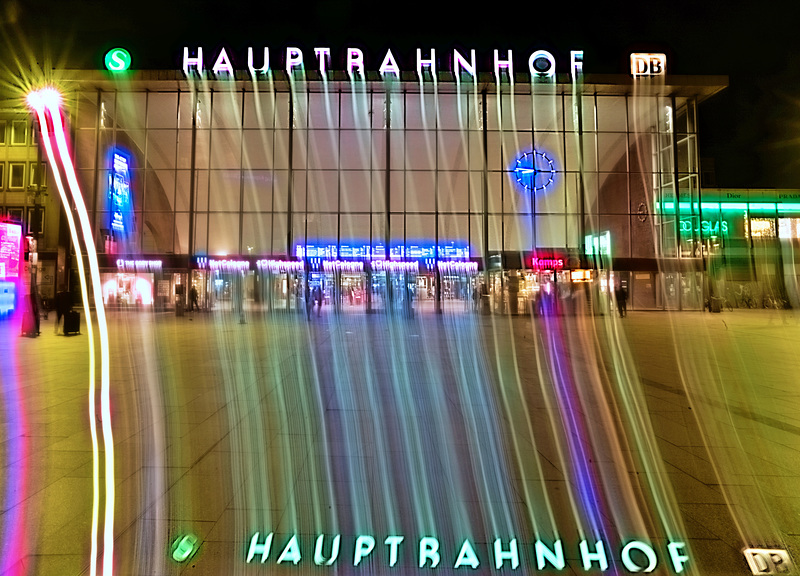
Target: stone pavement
pixel 460 441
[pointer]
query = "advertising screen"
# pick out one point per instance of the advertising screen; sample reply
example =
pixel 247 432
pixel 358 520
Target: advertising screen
pixel 10 244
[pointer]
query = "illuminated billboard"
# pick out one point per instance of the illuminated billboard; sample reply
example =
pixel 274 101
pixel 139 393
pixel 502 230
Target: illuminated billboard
pixel 119 192
pixel 10 246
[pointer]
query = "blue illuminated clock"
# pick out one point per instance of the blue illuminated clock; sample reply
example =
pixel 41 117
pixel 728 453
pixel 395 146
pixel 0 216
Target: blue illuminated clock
pixel 535 171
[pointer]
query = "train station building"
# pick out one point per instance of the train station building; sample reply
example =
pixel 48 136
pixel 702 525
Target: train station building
pixel 422 181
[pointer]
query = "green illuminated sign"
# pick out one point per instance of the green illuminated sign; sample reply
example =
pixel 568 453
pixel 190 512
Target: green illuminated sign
pixel 118 60
pixel 184 548
pixel 708 227
pixel 636 555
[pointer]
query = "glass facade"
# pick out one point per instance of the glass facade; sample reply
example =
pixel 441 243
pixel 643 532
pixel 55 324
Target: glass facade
pixel 236 169
pixel 270 171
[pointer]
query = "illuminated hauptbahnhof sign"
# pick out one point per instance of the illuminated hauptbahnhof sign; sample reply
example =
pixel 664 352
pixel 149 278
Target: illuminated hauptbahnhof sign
pixel 540 64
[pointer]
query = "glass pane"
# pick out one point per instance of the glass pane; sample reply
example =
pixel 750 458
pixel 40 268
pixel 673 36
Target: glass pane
pixel 453 191
pixel 87 110
pixel 161 148
pixel 420 191
pixel 259 110
pixel 257 149
pixel 257 190
pixel 550 231
pixel 420 151
pixel 225 239
pixel 355 146
pixel 518 236
pixel 613 152
pixel 224 190
pixel 131 108
pixel 323 191
pixel 355 186
pixel 452 151
pixel 256 233
pixel 158 232
pixel 160 190
pixel 226 149
pixel 227 110
pixel 162 110
pixel 323 149
pixel 356 110
pixel 17 176
pixel 19 132
pixel 611 114
pixel 547 112
pixel 280 191
pixel 323 110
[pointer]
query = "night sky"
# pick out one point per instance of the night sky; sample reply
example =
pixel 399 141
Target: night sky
pixel 750 130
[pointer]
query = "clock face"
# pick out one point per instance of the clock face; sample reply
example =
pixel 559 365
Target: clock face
pixel 535 171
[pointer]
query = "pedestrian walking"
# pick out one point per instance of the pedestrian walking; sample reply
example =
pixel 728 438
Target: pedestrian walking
pixel 63 304
pixel 193 299
pixel 622 301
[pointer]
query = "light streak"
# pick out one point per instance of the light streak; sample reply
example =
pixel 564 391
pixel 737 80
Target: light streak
pixel 49 101
pixel 16 458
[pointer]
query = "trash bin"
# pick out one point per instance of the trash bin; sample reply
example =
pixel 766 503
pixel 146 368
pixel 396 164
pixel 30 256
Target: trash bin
pixel 179 306
pixel 716 305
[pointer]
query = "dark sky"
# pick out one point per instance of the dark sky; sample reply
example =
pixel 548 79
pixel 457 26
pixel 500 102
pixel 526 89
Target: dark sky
pixel 749 130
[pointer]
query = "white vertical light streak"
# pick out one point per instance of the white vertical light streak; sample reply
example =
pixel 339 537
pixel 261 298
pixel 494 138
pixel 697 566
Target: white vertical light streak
pixel 48 100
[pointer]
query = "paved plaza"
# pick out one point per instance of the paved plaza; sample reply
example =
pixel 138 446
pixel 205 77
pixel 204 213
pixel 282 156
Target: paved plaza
pixel 368 444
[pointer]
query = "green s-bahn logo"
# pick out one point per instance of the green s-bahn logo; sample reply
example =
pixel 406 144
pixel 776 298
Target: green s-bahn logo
pixel 118 60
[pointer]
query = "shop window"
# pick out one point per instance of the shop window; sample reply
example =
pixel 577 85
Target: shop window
pixel 3 124
pixel 760 228
pixel 789 227
pixel 2 175
pixel 17 175
pixel 19 132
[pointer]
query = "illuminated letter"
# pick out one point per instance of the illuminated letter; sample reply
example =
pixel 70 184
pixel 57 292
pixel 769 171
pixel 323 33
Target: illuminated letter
pixel 355 59
pixel 223 64
pixel 256 548
pixel 656 67
pixel 322 55
pixel 678 559
pixel 599 555
pixel 576 63
pixel 291 553
pixel 389 65
pixel 554 556
pixel 364 545
pixel 393 542
pixel 429 550
pixel 467 556
pixel 251 65
pixel 724 226
pixel 500 556
pixel 294 58
pixel 535 63
pixel 196 62
pixel 319 559
pixel 459 63
pixel 430 63
pixel 507 64
pixel 645 549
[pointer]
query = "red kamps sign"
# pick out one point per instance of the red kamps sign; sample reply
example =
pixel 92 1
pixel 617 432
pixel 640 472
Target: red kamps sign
pixel 547 262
